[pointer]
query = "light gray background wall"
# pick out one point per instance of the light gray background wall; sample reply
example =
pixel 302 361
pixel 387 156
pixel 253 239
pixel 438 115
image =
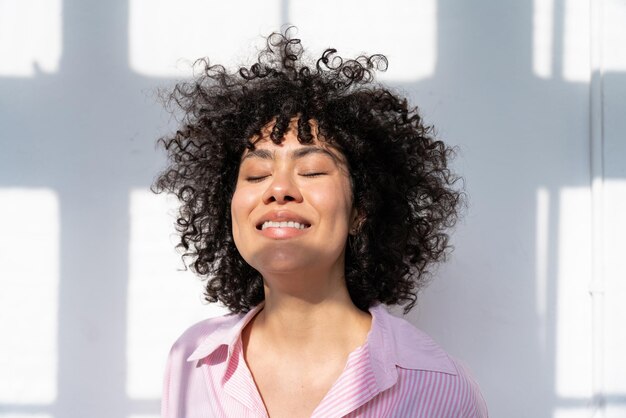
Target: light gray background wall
pixel 532 93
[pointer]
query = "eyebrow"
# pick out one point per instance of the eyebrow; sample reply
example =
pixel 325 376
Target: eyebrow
pixel 294 155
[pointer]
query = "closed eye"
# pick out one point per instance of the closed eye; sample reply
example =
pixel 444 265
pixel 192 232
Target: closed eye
pixel 255 179
pixel 313 174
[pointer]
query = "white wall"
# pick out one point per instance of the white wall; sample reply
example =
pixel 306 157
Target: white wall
pixel 90 295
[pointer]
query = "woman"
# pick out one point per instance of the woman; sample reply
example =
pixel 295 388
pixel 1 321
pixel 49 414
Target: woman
pixel 310 197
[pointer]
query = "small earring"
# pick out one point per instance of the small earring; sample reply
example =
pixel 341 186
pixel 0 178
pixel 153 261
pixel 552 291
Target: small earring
pixel 357 225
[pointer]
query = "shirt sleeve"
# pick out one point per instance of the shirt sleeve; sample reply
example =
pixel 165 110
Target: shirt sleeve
pixel 175 383
pixel 475 405
pixel 166 394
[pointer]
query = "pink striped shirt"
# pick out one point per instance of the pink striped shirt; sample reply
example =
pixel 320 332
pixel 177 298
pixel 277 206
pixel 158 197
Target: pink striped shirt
pixel 399 372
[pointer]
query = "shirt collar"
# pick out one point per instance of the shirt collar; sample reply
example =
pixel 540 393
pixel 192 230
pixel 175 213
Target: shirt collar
pixel 395 342
pixel 392 342
pixel 226 334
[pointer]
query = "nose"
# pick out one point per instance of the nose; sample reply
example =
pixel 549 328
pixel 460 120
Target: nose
pixel 282 189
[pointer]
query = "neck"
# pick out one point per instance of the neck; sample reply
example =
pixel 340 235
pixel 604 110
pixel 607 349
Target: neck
pixel 314 318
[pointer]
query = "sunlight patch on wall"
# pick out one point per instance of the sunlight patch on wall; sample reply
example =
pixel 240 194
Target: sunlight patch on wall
pixel 162 301
pixel 373 29
pixel 167 36
pixel 573 310
pixel 576 41
pixel 615 411
pixel 614 18
pixel 29 272
pixel 543 34
pixel 30 37
pixel 541 259
pixel 541 245
pixel 571 413
pixel 615 285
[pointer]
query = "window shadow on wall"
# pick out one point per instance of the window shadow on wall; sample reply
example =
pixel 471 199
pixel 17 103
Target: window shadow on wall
pixel 88 132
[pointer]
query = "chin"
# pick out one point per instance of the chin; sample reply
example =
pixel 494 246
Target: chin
pixel 281 263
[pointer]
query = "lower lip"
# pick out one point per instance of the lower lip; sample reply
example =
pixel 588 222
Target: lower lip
pixel 283 233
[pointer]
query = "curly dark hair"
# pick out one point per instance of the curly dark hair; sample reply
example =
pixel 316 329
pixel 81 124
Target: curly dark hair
pixel 402 185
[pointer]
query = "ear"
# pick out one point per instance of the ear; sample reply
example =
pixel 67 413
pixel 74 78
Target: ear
pixel 356 221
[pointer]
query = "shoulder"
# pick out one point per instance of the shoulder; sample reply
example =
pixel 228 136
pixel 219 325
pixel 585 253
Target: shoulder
pixel 466 392
pixel 420 359
pixel 183 381
pixel 434 393
pixel 409 347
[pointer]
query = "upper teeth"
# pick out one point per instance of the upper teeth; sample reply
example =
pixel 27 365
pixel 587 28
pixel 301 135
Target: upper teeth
pixel 290 224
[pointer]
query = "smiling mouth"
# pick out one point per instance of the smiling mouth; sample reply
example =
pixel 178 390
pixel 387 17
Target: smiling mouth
pixel 284 224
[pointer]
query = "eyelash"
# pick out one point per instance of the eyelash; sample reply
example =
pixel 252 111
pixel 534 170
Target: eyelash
pixel 255 179
pixel 259 179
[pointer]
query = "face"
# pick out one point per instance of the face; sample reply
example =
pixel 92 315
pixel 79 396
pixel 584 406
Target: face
pixel 292 206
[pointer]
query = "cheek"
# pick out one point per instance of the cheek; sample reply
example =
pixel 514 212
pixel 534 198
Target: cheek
pixel 334 201
pixel 240 207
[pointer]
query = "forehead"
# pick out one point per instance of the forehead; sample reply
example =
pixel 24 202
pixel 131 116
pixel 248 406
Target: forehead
pixel 291 148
